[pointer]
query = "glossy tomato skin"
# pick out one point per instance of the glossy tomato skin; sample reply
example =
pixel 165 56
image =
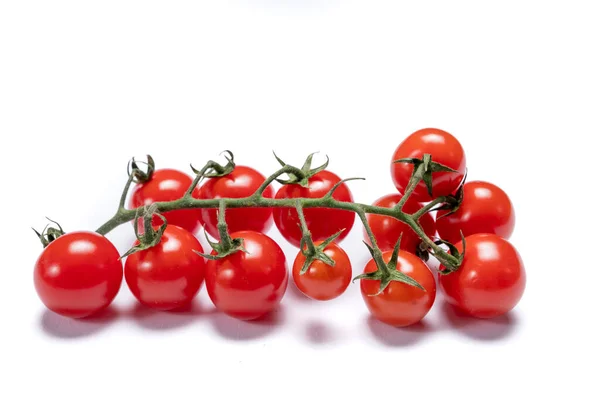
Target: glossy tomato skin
pixel 249 285
pixel 167 185
pixel 78 274
pixel 168 275
pixel 387 229
pixel 322 222
pixel 485 208
pixel 400 304
pixel 444 149
pixel 491 279
pixel 321 281
pixel 243 181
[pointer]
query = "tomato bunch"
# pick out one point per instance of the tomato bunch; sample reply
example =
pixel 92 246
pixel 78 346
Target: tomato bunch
pixel 246 273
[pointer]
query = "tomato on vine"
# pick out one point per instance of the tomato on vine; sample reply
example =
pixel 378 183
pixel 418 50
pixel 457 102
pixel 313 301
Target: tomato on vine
pixel 243 181
pixel 78 274
pixel 491 279
pixel 168 275
pixel 168 185
pixel 322 222
pixel 444 149
pixel 485 208
pixel 321 281
pixel 248 284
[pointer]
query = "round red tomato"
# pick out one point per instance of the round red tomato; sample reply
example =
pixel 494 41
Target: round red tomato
pixel 485 209
pixel 78 274
pixel 443 148
pixel 387 229
pixel 168 275
pixel 322 281
pixel 167 185
pixel 242 182
pixel 400 304
pixel 491 279
pixel 322 222
pixel 248 285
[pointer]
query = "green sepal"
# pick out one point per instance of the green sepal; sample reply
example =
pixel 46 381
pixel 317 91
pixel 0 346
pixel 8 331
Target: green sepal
pixel 454 252
pixel 137 174
pixel 216 169
pixel 314 252
pixel 302 175
pixel 49 233
pixel 150 237
pixel 237 244
pixel 424 169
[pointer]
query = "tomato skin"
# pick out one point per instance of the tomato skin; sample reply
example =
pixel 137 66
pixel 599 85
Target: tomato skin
pixel 249 285
pixel 167 185
pixel 322 222
pixel 78 274
pixel 491 279
pixel 400 304
pixel 485 208
pixel 444 149
pixel 243 181
pixel 168 275
pixel 321 281
pixel 387 229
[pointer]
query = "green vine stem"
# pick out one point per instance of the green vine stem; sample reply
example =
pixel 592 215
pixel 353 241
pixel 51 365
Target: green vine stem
pixel 451 262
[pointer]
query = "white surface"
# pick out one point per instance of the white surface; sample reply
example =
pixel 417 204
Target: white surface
pixel 84 87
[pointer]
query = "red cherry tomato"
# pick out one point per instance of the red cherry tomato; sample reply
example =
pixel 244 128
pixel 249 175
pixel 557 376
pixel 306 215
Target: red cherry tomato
pixel 322 281
pixel 400 304
pixel 443 148
pixel 322 222
pixel 78 274
pixel 167 185
pixel 491 279
pixel 168 275
pixel 485 209
pixel 242 182
pixel 387 229
pixel 249 285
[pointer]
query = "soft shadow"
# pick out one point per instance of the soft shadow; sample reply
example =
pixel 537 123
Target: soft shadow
pixel 318 332
pixel 480 329
pixel 62 327
pixel 165 320
pixel 398 336
pixel 239 330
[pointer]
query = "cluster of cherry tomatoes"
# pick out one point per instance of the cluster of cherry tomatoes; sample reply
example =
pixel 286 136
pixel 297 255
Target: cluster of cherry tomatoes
pixel 80 273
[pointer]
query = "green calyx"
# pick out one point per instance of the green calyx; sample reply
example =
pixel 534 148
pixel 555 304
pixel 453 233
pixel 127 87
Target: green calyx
pixel 227 245
pixel 150 237
pixel 214 169
pixel 138 175
pixel 301 175
pixel 456 254
pixel 424 169
pixel 49 233
pixel 314 252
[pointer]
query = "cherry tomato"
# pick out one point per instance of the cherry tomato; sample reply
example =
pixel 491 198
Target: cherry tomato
pixel 400 304
pixel 167 185
pixel 322 281
pixel 168 275
pixel 78 274
pixel 322 222
pixel 491 279
pixel 485 209
pixel 387 229
pixel 443 148
pixel 242 182
pixel 248 285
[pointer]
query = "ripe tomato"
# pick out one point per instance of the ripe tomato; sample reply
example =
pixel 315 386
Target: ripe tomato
pixel 248 285
pixel 242 182
pixel 321 281
pixel 167 185
pixel 400 304
pixel 443 148
pixel 485 209
pixel 387 229
pixel 322 222
pixel 168 275
pixel 491 279
pixel 78 274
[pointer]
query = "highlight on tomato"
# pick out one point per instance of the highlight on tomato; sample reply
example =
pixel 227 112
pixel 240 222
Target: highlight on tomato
pixel 444 149
pixel 243 181
pixel 167 276
pixel 78 274
pixel 321 281
pixel 485 208
pixel 248 284
pixel 490 280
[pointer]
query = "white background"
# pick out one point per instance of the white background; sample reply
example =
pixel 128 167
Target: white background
pixel 86 85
